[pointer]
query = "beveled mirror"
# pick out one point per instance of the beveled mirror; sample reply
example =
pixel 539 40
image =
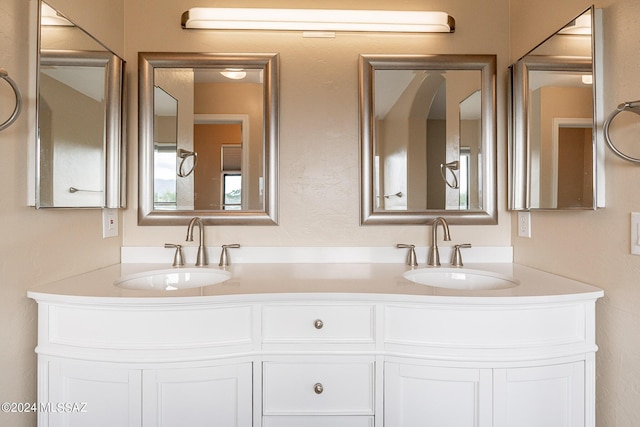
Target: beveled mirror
pixel 208 127
pixel 555 144
pixel 428 139
pixel 79 145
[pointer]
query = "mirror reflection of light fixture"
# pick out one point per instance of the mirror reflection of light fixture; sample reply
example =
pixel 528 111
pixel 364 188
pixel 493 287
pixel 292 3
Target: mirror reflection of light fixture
pixel 234 73
pixel 51 17
pixel 318 20
pixel 579 26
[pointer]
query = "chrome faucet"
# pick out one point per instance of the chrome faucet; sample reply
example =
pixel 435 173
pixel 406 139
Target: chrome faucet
pixel 434 255
pixel 224 255
pixel 201 259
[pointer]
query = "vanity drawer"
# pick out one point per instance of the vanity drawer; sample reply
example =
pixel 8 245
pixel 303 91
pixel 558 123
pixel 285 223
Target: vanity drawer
pixel 312 388
pixel 315 421
pixel 318 323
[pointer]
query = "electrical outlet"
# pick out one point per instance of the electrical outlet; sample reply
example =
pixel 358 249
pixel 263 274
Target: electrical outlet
pixel 109 223
pixel 524 224
pixel 635 233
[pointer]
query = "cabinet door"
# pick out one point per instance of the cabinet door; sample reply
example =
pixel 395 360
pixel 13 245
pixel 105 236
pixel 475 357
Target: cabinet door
pixel 198 397
pixel 549 396
pixel 91 394
pixel 418 396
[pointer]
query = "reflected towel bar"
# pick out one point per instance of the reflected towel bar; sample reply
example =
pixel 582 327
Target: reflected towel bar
pixel 75 190
pixel 451 166
pixel 184 155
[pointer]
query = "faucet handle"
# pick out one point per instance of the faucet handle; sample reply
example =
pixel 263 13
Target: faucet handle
pixel 456 257
pixel 224 255
pixel 412 260
pixel 178 258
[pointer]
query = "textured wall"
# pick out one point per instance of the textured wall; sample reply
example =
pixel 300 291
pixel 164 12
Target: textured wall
pixel 319 175
pixel 36 246
pixel 594 246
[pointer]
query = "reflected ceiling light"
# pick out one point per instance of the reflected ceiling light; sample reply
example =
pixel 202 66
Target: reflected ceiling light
pixel 234 73
pixel 579 26
pixel 318 20
pixel 51 17
pixel 587 79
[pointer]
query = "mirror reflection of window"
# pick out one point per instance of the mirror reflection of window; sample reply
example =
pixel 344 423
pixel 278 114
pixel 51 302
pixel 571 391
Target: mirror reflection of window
pixel 470 173
pixel 231 165
pixel 232 191
pixel 164 176
pixel 463 179
pixel 165 148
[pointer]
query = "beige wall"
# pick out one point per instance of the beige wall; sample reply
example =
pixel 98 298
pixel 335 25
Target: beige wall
pixel 319 167
pixel 594 246
pixel 36 246
pixel 318 117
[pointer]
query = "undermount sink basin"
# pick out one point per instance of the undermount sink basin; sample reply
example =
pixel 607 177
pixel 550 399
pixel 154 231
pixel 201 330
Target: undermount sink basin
pixel 460 278
pixel 173 279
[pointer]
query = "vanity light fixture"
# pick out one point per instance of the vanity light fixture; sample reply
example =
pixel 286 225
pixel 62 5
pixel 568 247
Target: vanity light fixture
pixel 234 73
pixel 318 20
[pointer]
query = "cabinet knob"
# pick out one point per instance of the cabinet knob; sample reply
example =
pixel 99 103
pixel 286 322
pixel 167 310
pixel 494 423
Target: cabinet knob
pixel 318 388
pixel 318 324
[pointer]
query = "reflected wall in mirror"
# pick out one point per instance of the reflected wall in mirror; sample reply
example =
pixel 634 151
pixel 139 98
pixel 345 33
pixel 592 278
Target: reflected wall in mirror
pixel 208 138
pixel 555 121
pixel 428 141
pixel 79 115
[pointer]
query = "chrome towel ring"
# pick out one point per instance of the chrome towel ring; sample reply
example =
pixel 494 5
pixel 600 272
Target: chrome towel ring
pixel 16 111
pixel 184 155
pixel 451 166
pixel 632 106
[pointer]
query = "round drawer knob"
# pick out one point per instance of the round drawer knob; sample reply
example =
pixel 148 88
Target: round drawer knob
pixel 318 324
pixel 318 388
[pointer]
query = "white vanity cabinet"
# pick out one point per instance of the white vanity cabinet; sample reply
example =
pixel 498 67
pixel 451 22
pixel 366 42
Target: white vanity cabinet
pixel 203 396
pixel 81 393
pixel 106 394
pixel 145 364
pixel 313 372
pixel 552 395
pixel 319 359
pixel 419 395
pixel 528 365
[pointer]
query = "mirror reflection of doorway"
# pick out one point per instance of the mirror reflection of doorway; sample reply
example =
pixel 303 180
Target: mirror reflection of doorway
pixel 210 140
pixel 573 141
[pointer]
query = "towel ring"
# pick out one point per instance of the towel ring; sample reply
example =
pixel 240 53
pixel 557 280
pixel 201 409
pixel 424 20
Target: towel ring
pixel 632 106
pixel 16 111
pixel 184 155
pixel 451 166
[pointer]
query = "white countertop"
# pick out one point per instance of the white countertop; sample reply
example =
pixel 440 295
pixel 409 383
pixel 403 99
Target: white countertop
pixel 261 282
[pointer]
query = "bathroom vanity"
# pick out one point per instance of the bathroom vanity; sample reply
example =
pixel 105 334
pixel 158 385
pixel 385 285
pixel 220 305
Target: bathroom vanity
pixel 318 345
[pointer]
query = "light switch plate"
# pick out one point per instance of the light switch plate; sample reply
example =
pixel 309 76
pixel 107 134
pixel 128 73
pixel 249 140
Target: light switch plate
pixel 524 224
pixel 635 233
pixel 109 223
